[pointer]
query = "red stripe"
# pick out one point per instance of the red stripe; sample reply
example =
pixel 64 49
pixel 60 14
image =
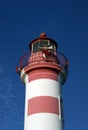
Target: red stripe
pixel 43 104
pixel 42 73
pixel 50 70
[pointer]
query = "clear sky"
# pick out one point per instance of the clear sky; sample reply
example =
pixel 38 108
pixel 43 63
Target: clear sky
pixel 66 21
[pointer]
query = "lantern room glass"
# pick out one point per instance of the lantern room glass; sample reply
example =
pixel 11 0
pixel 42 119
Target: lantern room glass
pixel 43 45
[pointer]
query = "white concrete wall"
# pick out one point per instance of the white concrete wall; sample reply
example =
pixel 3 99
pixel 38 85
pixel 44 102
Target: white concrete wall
pixel 42 121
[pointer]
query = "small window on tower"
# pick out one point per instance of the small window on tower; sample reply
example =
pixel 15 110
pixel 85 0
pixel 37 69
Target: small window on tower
pixel 61 113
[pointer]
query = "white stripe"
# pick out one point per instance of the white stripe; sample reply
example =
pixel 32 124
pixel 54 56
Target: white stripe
pixel 43 87
pixel 43 121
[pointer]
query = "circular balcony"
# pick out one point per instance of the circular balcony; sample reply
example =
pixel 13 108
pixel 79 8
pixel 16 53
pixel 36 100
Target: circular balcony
pixel 42 57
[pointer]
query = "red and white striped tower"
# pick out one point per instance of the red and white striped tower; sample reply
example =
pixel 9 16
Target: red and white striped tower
pixel 43 72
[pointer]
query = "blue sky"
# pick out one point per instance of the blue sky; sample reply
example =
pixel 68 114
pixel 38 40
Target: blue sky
pixel 67 23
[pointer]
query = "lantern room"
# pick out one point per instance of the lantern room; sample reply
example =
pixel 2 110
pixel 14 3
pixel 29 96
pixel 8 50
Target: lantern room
pixel 43 44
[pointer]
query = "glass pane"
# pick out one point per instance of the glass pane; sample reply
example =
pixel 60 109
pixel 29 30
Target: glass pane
pixel 35 46
pixel 43 43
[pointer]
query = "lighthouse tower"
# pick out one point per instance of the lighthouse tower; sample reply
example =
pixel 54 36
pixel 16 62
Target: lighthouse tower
pixel 43 72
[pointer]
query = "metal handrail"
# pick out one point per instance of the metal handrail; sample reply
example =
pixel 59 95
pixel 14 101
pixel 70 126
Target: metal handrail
pixel 24 60
pixel 60 59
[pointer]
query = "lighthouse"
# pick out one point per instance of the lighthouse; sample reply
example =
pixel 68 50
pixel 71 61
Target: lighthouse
pixel 43 70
